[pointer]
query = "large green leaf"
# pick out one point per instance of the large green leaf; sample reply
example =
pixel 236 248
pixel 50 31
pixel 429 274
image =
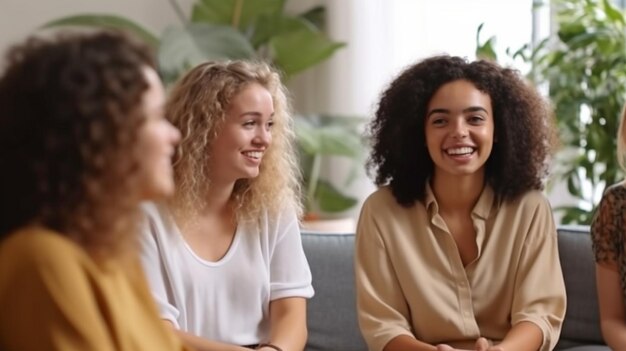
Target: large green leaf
pixel 325 135
pixel 329 199
pixel 268 26
pixel 183 47
pixel 106 21
pixel 223 11
pixel 307 136
pixel 298 50
pixel 612 13
pixel 332 139
pixel 315 15
pixel 567 31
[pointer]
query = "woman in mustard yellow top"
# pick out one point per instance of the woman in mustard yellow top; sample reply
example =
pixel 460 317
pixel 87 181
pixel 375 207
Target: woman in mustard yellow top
pixel 457 249
pixel 82 142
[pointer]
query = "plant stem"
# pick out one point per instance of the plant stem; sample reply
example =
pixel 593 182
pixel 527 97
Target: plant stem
pixel 237 13
pixel 313 180
pixel 179 12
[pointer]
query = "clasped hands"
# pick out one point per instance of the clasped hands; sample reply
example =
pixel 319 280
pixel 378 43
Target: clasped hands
pixel 482 344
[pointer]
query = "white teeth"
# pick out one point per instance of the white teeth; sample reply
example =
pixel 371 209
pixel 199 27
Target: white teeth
pixel 253 154
pixel 460 150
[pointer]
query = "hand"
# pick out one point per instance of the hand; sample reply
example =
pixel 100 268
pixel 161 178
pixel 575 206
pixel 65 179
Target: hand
pixel 482 344
pixel 445 347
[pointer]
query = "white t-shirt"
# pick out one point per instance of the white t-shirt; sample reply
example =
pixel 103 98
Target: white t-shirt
pixel 227 300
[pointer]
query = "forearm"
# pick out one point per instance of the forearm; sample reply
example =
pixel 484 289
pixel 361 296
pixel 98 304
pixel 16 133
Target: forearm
pixel 408 343
pixel 611 303
pixel 614 333
pixel 288 324
pixel 524 336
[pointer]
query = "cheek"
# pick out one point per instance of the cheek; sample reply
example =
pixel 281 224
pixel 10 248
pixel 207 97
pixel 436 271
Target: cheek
pixel 486 134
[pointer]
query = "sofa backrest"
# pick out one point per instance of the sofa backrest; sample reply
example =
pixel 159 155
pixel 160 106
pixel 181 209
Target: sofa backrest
pixel 582 321
pixel 331 313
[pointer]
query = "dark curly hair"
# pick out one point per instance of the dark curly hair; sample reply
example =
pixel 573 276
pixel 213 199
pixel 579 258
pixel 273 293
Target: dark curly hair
pixel 524 128
pixel 69 117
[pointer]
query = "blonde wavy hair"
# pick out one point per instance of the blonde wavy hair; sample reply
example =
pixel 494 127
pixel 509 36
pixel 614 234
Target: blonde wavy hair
pixel 197 106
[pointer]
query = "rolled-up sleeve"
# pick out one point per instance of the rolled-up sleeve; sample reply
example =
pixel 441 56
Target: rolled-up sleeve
pixel 539 287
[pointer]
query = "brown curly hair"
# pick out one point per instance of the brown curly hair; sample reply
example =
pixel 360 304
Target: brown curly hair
pixel 197 107
pixel 71 110
pixel 524 128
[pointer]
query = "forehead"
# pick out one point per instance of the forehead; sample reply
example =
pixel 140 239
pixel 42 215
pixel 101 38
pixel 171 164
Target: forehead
pixel 459 94
pixel 252 95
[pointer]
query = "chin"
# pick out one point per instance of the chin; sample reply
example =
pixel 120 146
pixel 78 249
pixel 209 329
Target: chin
pixel 158 191
pixel 250 174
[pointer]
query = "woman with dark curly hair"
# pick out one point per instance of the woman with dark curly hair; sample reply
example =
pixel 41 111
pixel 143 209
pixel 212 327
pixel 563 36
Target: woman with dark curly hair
pixel 457 249
pixel 607 233
pixel 82 142
pixel 235 212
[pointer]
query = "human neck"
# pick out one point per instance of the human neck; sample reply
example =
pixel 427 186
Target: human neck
pixel 217 201
pixel 457 193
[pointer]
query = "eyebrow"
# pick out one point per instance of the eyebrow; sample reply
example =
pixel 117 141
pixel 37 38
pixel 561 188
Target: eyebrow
pixel 469 109
pixel 255 114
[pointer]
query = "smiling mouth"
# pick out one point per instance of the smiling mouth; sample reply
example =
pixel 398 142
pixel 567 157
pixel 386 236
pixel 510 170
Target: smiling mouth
pixel 257 155
pixel 460 151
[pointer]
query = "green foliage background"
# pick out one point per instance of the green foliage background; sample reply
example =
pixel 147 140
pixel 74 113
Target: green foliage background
pixel 584 66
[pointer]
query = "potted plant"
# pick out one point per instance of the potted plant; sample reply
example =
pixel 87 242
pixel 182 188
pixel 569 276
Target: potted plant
pixel 320 137
pixel 584 65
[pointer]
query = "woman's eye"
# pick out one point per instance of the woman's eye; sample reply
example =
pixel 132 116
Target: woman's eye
pixel 270 124
pixel 438 121
pixel 476 119
pixel 249 124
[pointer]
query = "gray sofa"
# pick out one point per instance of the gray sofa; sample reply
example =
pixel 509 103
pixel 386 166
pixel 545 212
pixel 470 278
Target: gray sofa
pixel 332 314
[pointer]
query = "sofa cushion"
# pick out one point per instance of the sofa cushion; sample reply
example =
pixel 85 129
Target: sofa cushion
pixel 331 313
pixel 582 322
pixel 588 348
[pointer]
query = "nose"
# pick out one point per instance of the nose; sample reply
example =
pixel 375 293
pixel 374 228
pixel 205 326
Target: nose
pixel 263 137
pixel 460 129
